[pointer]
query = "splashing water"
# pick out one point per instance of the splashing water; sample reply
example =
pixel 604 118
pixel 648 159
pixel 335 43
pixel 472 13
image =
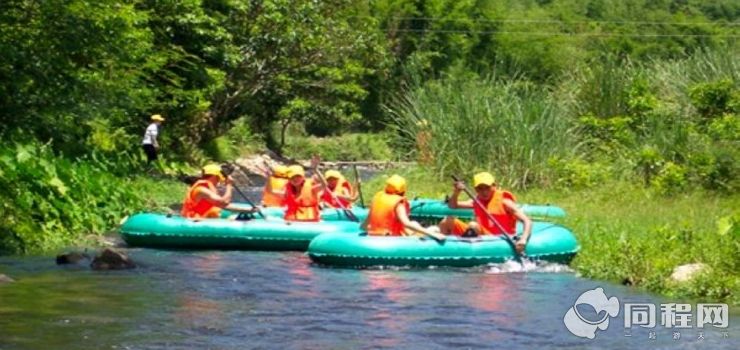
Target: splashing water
pixel 526 265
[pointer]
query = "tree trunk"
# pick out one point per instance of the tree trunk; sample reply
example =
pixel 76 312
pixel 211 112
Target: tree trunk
pixel 283 130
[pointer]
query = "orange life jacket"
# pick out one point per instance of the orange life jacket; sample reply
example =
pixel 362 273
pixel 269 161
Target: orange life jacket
pixel 382 218
pixel 339 190
pixel 270 199
pixel 303 206
pixel 196 208
pixel 498 211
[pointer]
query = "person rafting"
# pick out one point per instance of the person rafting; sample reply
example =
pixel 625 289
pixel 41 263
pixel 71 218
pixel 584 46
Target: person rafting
pixel 203 200
pixel 389 213
pixel 339 192
pixel 272 194
pixel 301 199
pixel 500 205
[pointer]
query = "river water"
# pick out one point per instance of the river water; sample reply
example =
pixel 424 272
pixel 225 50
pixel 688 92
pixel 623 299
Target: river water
pixel 268 300
pixel 280 300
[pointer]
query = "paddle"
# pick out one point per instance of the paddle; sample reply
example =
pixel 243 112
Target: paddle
pixel 359 188
pixel 267 169
pixel 508 239
pixel 347 212
pixel 227 169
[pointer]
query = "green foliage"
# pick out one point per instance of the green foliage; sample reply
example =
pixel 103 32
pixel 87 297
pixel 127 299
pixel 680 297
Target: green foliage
pixel 713 99
pixel 725 128
pixel 634 117
pixel 649 162
pixel 671 178
pixel 66 63
pixel 607 135
pixel 298 61
pixel 577 173
pixel 509 127
pixel 49 201
pixel 345 147
pixel 221 149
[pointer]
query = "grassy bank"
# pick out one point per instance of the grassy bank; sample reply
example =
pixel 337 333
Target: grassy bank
pixel 634 235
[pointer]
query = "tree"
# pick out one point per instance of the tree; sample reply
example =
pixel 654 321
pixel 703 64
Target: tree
pixel 298 61
pixel 65 63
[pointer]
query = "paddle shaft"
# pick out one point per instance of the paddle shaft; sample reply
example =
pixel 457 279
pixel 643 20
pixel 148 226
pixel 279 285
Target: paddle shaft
pixel 259 211
pixel 359 188
pixel 347 212
pixel 490 217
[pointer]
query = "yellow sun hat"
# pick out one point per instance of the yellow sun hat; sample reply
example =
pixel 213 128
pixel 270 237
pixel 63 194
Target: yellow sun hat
pixel 333 174
pixel 281 171
pixel 295 170
pixel 157 118
pixel 395 185
pixel 483 178
pixel 213 169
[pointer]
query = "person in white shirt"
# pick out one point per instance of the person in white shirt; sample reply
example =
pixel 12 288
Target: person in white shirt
pixel 150 144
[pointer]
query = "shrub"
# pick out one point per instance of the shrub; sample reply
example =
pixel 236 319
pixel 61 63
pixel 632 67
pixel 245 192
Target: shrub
pixel 714 99
pixel 578 173
pixel 48 201
pixel 725 128
pixel 345 147
pixel 670 179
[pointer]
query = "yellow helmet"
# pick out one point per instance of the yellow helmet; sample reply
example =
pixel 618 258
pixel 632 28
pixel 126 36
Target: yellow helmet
pixel 157 118
pixel 483 178
pixel 295 170
pixel 333 174
pixel 281 171
pixel 213 169
pixel 395 185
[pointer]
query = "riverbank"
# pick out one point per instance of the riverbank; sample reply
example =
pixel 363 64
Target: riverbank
pixel 633 236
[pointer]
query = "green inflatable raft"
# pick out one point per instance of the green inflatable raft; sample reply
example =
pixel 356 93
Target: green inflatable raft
pixel 428 211
pixel 438 209
pixel 549 242
pixel 157 230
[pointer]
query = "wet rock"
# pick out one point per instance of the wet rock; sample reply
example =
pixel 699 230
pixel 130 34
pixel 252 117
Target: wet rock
pixel 111 259
pixel 687 272
pixel 71 258
pixel 5 279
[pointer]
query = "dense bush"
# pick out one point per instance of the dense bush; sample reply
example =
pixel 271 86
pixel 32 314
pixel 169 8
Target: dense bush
pixel 345 147
pixel 48 201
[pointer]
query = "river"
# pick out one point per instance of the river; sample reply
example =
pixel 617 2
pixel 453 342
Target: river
pixel 262 300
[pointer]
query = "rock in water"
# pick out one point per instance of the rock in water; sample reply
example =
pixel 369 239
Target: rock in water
pixel 71 258
pixel 687 272
pixel 111 259
pixel 5 279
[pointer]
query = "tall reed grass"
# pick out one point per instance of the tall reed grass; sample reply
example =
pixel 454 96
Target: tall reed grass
pixel 610 113
pixel 509 127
